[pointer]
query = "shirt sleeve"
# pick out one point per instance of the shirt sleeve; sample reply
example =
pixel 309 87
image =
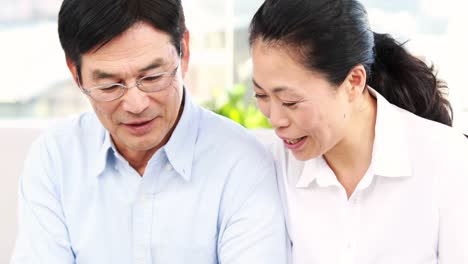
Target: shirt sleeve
pixel 255 231
pixel 42 235
pixel 453 208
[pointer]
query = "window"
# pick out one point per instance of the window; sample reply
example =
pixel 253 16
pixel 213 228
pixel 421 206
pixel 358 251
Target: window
pixel 36 81
pixel 37 85
pixel 434 31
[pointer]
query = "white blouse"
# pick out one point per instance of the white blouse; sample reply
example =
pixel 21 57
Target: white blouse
pixel 411 207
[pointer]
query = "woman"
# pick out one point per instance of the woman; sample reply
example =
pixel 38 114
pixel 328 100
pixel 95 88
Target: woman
pixel 365 176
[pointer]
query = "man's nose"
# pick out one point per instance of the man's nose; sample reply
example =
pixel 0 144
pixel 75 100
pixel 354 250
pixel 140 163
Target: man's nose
pixel 135 101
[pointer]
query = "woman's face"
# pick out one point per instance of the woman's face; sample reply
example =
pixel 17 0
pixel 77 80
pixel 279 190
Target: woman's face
pixel 307 112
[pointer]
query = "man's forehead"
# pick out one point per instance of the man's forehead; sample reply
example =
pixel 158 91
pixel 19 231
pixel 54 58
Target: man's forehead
pixel 138 39
pixel 142 58
pixel 113 70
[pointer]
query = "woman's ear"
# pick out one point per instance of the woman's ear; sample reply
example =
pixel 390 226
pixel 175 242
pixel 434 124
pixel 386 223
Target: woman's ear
pixel 356 82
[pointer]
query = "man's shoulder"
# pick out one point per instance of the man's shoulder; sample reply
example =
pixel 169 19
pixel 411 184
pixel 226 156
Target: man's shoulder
pixel 221 132
pixel 233 155
pixel 83 130
pixel 67 146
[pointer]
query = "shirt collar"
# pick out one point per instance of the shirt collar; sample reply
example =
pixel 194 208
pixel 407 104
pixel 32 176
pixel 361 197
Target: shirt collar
pixel 391 154
pixel 179 149
pixel 103 156
pixel 390 157
pixel 181 146
pixel 315 169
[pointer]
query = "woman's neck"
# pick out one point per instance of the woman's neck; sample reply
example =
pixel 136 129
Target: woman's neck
pixel 351 157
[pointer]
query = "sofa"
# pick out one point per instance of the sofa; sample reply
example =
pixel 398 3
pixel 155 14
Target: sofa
pixel 15 140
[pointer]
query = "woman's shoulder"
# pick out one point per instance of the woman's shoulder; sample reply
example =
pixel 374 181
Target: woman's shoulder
pixel 436 139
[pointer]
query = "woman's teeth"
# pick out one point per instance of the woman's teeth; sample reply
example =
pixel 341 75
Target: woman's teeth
pixel 294 141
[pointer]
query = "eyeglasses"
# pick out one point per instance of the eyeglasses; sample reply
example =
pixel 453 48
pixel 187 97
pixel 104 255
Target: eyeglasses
pixel 149 84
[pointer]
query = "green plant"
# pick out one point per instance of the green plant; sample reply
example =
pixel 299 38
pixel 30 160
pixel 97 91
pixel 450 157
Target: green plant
pixel 238 106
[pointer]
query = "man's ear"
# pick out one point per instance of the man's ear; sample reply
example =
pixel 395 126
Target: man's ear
pixel 185 48
pixel 356 82
pixel 73 70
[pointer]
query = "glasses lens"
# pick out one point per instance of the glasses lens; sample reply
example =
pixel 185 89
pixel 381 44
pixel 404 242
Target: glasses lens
pixel 155 83
pixel 107 93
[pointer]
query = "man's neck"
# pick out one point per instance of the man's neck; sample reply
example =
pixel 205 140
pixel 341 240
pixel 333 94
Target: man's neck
pixel 139 159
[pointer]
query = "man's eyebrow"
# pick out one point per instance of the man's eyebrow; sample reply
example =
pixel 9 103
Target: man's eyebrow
pixel 99 74
pixel 156 63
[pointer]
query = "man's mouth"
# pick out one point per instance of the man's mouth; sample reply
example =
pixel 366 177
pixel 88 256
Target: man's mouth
pixel 140 127
pixel 139 123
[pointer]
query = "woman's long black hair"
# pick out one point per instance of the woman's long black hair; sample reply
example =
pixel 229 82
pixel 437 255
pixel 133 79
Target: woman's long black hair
pixel 333 36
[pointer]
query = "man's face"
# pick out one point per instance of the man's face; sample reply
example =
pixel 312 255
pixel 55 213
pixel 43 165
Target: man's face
pixel 139 122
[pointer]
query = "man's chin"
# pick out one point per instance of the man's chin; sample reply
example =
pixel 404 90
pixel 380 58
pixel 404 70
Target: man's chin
pixel 137 144
pixel 143 146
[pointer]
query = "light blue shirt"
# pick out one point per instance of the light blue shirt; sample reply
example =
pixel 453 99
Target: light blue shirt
pixel 208 196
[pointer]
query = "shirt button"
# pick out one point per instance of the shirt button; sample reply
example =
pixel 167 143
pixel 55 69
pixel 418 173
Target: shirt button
pixel 350 245
pixel 168 167
pixel 143 198
pixel 354 202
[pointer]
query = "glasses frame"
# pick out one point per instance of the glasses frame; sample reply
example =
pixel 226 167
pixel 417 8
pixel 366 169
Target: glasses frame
pixel 138 84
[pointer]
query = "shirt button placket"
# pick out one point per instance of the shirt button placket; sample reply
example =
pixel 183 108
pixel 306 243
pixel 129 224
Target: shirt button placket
pixel 143 215
pixel 352 223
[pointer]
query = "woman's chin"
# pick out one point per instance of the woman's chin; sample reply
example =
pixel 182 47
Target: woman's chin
pixel 308 152
pixel 302 157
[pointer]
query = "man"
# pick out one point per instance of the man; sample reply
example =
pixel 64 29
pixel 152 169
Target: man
pixel 150 177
